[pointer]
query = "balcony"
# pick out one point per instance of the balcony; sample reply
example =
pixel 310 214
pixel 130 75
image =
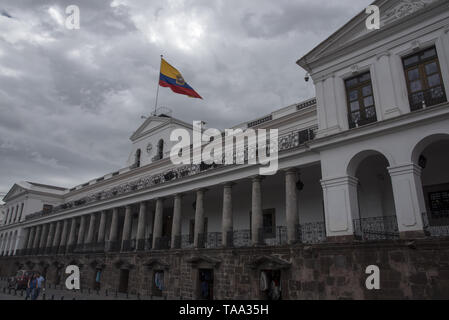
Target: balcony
pixel 376 228
pixel 428 98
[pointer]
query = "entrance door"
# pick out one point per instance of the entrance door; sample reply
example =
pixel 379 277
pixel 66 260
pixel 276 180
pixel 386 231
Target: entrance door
pixel 206 284
pixel 123 282
pixel 270 284
pixel 97 280
pixel 158 283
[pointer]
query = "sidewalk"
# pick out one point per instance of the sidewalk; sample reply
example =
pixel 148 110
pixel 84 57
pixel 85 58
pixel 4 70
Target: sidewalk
pixel 63 294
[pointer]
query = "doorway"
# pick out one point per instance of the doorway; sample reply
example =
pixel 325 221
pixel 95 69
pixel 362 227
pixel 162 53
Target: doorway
pixel 206 284
pixel 270 285
pixel 97 280
pixel 123 281
pixel 158 283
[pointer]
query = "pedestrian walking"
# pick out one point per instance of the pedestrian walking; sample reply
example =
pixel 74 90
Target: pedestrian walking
pixel 40 284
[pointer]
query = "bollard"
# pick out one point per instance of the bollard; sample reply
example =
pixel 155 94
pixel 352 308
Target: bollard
pixel 21 293
pixel 62 298
pixel 116 293
pixel 138 296
pixel 15 292
pixel 44 297
pixel 52 297
pixel 9 291
pixel 106 292
pixel 74 298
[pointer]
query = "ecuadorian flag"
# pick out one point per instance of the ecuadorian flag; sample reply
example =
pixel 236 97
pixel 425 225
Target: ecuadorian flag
pixel 172 78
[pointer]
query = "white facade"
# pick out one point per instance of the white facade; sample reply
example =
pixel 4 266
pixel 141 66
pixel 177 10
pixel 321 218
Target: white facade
pixel 392 166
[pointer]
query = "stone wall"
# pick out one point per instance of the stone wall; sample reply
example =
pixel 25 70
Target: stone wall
pixel 408 270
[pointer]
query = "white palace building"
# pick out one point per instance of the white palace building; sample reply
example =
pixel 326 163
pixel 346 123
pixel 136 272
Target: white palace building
pixel 363 179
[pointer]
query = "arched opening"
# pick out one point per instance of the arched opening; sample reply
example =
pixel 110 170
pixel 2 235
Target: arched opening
pixel 432 155
pixel 160 149
pixel 376 218
pixel 137 158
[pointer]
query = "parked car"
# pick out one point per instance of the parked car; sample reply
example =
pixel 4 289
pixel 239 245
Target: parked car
pixel 20 280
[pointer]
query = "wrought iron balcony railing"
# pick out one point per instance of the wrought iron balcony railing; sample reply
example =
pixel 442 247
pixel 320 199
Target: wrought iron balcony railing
pixel 376 228
pixel 427 98
pixel 438 226
pixel 288 141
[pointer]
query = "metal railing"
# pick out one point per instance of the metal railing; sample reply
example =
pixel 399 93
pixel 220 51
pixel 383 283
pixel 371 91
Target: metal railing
pixel 312 232
pixel 427 98
pixel 287 141
pixel 437 226
pixel 376 228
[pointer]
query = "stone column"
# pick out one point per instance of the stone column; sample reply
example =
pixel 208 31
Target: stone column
pixel 340 207
pixel 102 230
pixel 291 205
pixel 158 220
pixel 57 238
pixel 71 243
pixel 256 212
pixel 81 234
pixel 199 237
pixel 113 233
pixel 149 229
pixel 23 242
pixel 227 222
pixel 127 228
pixel 408 199
pixel 29 246
pixel 11 244
pixel 43 239
pixel 6 216
pixel 176 226
pixel 37 239
pixel 140 238
pixel 65 231
pixel 1 244
pixel 51 234
pixel 91 233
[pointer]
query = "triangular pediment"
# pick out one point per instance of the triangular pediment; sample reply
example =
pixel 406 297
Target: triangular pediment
pixel 154 263
pixel 15 191
pixel 204 260
pixel 269 262
pixel 155 123
pixel 392 12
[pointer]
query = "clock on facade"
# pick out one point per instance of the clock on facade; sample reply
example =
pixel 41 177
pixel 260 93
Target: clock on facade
pixel 149 148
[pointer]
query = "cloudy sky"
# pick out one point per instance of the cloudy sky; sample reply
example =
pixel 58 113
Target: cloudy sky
pixel 70 99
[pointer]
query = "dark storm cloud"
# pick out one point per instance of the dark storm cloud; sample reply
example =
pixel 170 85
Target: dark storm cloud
pixel 69 99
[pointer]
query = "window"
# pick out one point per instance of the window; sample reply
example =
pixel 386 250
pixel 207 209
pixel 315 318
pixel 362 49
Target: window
pixel 160 149
pixel 137 159
pixel 361 107
pixel 47 208
pixel 424 82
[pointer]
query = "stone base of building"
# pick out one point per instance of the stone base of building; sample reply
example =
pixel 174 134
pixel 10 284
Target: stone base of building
pixel 341 239
pixel 412 235
pixel 324 271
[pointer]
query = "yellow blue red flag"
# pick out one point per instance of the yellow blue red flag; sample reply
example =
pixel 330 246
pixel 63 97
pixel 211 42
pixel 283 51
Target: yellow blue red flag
pixel 171 78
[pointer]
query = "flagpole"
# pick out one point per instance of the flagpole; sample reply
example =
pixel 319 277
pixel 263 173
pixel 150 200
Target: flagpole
pixel 157 92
